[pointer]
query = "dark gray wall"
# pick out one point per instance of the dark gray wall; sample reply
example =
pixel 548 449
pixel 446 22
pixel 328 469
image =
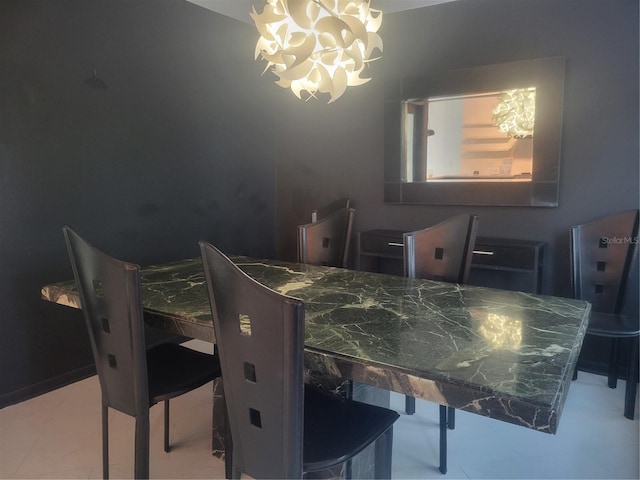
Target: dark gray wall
pixel 177 148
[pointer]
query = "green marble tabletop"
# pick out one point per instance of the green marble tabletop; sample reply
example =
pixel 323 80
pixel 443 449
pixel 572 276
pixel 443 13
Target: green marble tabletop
pixel 503 354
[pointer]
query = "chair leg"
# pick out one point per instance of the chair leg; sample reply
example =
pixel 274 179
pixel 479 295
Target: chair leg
pixel 348 469
pixel 166 426
pixel 105 442
pixel 632 381
pixel 141 462
pixel 613 364
pixel 230 469
pixel 451 418
pixel 409 405
pixel 383 454
pixel 348 389
pixel 443 439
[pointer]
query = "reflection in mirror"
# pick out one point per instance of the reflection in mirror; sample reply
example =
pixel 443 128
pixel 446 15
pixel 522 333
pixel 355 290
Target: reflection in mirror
pixel 484 135
pixel 469 138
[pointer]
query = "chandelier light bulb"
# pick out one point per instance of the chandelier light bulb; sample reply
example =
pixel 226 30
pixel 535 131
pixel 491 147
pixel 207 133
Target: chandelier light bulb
pixel 515 113
pixel 317 45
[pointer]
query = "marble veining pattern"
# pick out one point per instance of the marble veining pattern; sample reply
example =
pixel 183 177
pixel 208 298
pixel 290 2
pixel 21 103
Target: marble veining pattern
pixel 507 355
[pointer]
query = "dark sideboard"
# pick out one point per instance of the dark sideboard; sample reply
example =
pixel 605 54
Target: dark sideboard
pixel 497 262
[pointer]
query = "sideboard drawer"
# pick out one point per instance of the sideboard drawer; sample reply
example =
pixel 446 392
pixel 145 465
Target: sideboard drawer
pixel 505 257
pixel 382 243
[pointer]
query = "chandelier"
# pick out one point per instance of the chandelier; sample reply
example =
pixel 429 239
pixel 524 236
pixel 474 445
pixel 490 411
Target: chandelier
pixel 515 113
pixel 317 45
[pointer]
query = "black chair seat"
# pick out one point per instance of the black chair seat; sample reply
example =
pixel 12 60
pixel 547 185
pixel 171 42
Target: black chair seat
pixel 173 370
pixel 336 429
pixel 613 325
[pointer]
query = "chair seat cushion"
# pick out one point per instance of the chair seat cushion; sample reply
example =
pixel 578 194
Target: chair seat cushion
pixel 336 429
pixel 174 370
pixel 613 325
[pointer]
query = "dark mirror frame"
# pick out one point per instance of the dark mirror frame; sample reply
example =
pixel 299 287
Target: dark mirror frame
pixel 546 74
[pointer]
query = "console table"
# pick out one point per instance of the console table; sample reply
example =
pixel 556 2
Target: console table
pixel 522 257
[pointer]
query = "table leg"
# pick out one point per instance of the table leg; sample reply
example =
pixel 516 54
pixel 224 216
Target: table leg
pixel 409 405
pixel 632 382
pixel 443 439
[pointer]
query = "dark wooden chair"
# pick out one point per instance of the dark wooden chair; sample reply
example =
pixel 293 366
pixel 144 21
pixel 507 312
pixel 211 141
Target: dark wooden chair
pixel 442 252
pixel 327 240
pixel 329 209
pixel 602 255
pixel 132 378
pixel 280 427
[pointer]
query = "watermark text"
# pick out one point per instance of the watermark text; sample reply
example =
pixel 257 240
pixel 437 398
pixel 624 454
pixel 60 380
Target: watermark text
pixel 619 240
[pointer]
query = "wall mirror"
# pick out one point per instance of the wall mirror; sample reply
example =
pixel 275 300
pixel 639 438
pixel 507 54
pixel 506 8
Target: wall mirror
pixel 486 135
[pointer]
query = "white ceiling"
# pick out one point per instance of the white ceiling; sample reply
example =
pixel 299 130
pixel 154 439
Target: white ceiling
pixel 239 9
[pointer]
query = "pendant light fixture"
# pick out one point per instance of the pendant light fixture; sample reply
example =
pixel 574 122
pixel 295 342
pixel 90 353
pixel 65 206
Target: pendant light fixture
pixel 317 46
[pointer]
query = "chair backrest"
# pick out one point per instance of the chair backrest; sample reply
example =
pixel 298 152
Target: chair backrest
pixel 260 341
pixel 602 253
pixel 329 209
pixel 110 295
pixel 443 251
pixel 326 241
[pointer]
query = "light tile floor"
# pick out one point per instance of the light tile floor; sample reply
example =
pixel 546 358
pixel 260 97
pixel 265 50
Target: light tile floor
pixel 594 440
pixel 57 435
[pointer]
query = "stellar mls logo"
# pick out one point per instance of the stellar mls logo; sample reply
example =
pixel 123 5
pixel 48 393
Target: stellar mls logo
pixel 619 240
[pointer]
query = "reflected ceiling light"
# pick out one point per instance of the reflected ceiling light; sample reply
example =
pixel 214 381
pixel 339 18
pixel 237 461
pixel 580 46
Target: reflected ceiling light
pixel 318 45
pixel 516 112
pixel 501 331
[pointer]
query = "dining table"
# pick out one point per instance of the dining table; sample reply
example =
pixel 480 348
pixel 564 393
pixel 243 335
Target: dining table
pixel 506 355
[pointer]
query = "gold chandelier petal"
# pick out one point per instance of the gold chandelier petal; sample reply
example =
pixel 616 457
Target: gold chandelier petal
pixel 303 13
pixel 334 27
